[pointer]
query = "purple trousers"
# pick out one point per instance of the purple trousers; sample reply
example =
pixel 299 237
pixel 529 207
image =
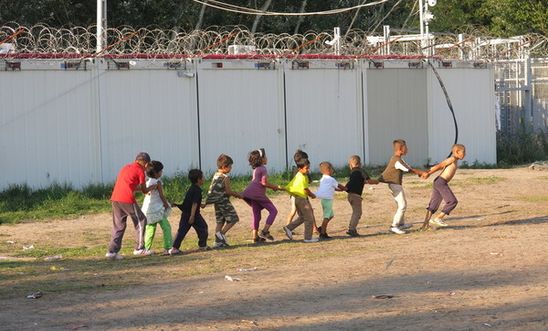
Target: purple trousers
pixel 257 207
pixel 442 191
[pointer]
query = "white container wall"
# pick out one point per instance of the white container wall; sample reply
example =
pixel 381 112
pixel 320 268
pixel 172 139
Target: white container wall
pixel 324 113
pixel 241 109
pixel 473 97
pixel 81 127
pixel 148 110
pixel 48 128
pixel 397 109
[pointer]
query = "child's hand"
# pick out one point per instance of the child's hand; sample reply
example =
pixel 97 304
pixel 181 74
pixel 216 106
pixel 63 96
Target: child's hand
pixel 191 221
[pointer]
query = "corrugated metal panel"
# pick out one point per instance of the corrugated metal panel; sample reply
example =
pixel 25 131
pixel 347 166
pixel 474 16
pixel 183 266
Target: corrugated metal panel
pixel 472 95
pixel 396 109
pixel 152 111
pixel 48 128
pixel 241 109
pixel 82 126
pixel 324 114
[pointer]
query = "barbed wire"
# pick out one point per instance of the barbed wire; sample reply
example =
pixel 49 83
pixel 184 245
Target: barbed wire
pixel 42 41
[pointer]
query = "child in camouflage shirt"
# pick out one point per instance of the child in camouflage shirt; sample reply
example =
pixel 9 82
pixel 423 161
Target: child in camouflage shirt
pixel 219 195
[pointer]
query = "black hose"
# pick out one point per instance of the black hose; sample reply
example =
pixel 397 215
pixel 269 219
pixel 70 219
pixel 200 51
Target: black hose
pixel 448 99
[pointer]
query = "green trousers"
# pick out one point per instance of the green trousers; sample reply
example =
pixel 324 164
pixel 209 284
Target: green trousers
pixel 150 230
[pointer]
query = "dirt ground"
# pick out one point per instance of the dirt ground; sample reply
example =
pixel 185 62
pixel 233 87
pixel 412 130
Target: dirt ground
pixel 487 270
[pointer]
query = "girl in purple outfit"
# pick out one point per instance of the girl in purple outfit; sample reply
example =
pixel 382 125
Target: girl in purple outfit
pixel 255 195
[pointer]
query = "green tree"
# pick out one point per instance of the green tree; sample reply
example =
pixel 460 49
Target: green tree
pixel 515 17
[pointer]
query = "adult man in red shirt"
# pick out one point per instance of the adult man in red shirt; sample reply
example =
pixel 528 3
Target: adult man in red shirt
pixel 131 178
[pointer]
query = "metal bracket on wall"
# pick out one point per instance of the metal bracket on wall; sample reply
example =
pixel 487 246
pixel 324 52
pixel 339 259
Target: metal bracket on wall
pixel 297 65
pixel 74 65
pixel 345 65
pixel 265 65
pixel 376 64
pixel 12 66
pixel 118 65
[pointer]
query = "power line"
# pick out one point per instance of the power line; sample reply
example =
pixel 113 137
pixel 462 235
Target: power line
pixel 250 11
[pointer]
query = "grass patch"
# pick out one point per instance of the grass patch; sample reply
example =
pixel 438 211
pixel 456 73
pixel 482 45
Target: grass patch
pixel 481 165
pixel 534 198
pixel 477 181
pixel 21 203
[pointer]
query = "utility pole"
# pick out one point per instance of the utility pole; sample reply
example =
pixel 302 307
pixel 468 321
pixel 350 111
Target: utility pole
pixel 425 16
pixel 101 25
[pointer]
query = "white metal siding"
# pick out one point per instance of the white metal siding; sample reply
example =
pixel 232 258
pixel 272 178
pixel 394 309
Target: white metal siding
pixel 152 111
pixel 324 114
pixel 396 101
pixel 472 95
pixel 82 126
pixel 47 128
pixel 241 109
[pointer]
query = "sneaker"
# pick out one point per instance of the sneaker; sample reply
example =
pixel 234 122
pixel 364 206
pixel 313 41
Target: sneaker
pixel 113 256
pixel 174 251
pixel 138 252
pixel 405 226
pixel 165 252
pixel 397 230
pixel 311 240
pixel 258 240
pixel 205 248
pixel 352 233
pixel 218 244
pixel 266 235
pixel 219 236
pixel 325 237
pixel 288 233
pixel 148 252
pixel 438 222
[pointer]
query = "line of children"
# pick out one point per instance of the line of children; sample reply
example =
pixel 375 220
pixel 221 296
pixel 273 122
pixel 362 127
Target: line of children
pixel 156 208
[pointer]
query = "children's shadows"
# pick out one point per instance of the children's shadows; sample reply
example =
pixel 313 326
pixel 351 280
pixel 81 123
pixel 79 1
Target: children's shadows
pixel 347 305
pixel 523 221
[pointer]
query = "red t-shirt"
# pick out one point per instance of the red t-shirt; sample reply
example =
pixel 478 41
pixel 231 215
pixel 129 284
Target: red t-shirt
pixel 129 177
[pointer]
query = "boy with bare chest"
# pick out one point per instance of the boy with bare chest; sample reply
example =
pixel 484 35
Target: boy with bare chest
pixel 441 190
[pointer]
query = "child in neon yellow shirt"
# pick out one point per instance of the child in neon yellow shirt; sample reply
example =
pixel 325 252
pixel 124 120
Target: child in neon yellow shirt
pixel 298 188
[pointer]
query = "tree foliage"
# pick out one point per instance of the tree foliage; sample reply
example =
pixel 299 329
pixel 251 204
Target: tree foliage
pixel 497 17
